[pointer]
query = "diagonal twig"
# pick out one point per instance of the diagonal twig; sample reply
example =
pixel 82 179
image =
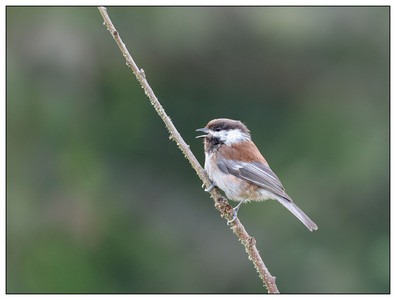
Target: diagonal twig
pixel 221 203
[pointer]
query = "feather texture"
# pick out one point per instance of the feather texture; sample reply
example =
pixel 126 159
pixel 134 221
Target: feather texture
pixel 264 183
pixel 236 166
pixel 257 173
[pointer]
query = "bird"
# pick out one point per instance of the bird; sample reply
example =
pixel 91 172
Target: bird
pixel 235 165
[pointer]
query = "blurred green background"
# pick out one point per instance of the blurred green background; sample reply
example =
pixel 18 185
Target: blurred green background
pixel 98 198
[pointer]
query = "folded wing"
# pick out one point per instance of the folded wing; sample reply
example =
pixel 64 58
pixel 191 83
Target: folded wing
pixel 257 173
pixel 260 174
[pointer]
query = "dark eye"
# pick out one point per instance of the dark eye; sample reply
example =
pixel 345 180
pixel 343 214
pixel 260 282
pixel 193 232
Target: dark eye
pixel 218 128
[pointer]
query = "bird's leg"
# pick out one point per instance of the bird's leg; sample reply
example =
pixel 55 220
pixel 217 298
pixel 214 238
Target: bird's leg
pixel 211 187
pixel 235 210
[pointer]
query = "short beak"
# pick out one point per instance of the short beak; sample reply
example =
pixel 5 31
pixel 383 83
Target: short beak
pixel 203 130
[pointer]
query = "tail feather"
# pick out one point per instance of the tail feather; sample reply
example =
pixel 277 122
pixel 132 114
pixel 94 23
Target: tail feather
pixel 295 210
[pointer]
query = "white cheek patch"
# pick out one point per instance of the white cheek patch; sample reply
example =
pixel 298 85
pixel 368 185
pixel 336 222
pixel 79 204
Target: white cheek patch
pixel 230 137
pixel 221 135
pixel 235 136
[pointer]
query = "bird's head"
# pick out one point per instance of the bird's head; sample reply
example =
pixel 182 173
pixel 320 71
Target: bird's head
pixel 224 131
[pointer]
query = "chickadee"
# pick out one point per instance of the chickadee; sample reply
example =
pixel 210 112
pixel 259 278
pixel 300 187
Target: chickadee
pixel 236 166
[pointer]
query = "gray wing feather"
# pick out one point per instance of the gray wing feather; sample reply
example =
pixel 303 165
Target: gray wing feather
pixel 255 172
pixel 260 174
pixel 223 167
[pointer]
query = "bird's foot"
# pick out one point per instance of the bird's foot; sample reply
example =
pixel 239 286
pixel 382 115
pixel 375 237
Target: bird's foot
pixel 211 187
pixel 235 212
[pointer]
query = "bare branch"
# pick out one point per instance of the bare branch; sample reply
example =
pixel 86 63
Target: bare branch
pixel 221 203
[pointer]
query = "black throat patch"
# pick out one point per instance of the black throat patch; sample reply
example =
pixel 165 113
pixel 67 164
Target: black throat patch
pixel 211 143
